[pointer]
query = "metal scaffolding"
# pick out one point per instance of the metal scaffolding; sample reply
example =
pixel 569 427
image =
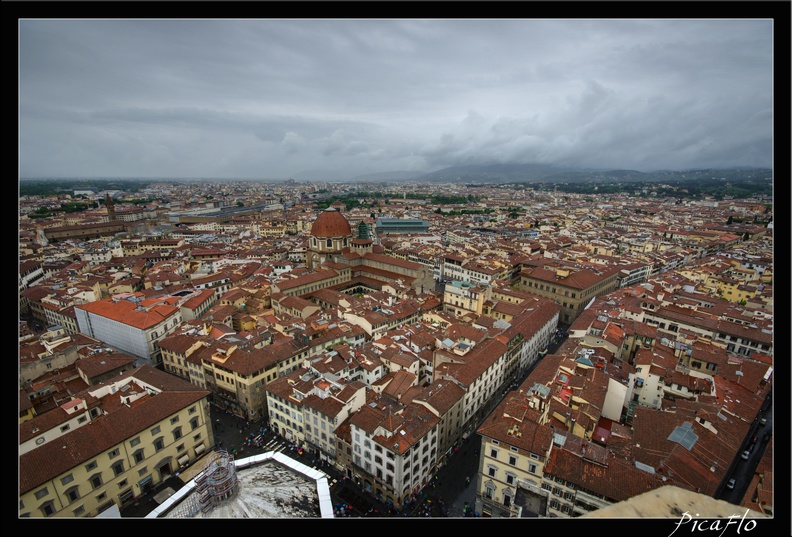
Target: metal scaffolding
pixel 216 483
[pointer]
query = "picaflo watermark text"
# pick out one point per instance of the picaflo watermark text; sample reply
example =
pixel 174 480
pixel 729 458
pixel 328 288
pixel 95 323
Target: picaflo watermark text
pixel 737 523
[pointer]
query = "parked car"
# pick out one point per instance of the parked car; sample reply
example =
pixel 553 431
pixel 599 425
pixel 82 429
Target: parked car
pixel 763 421
pixel 730 484
pixel 745 455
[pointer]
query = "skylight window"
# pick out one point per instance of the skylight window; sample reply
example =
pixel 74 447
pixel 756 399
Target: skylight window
pixel 684 436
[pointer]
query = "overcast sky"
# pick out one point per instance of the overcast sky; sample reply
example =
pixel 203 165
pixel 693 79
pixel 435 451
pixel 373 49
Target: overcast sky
pixel 274 98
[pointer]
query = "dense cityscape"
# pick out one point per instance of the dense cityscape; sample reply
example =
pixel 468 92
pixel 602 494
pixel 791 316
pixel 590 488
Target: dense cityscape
pixel 583 343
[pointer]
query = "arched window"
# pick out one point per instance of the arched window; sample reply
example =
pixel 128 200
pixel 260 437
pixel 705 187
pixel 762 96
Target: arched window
pixel 73 493
pixel 48 508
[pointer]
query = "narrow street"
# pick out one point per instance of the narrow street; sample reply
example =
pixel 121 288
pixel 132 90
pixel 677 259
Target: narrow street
pixel 743 471
pixel 445 496
pixel 451 493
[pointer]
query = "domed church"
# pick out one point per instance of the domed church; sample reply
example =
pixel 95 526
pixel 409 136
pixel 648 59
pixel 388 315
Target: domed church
pixel 330 234
pixel 355 262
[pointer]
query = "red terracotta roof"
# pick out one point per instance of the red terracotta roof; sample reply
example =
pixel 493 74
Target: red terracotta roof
pixel 330 223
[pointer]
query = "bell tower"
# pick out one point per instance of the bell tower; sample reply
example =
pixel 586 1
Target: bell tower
pixel 111 215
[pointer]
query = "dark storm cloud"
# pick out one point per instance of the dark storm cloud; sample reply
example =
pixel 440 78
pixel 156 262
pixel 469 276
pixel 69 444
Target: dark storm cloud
pixel 269 98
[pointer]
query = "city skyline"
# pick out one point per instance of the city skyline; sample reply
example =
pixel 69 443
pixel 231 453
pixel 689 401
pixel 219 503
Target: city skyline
pixel 342 98
pixel 656 311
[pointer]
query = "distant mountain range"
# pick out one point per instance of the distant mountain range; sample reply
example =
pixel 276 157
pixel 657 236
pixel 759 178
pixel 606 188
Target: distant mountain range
pixel 526 173
pixel 497 173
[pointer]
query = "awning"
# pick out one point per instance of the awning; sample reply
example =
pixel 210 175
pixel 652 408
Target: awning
pixel 184 460
pixel 199 449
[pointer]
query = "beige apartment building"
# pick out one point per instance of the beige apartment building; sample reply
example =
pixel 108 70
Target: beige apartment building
pixel 237 374
pixel 513 454
pixel 572 288
pixel 110 444
pixel 461 297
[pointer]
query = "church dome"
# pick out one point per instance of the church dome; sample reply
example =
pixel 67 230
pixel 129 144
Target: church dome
pixel 330 224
